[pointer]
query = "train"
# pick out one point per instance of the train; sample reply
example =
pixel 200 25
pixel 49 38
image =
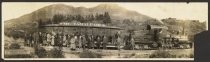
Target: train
pixel 150 37
pixel 154 37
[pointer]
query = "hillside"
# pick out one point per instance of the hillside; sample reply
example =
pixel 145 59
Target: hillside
pixel 184 27
pixel 29 22
pixel 121 17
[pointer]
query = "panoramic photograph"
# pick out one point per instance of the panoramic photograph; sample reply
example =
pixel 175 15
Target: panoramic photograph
pixel 96 30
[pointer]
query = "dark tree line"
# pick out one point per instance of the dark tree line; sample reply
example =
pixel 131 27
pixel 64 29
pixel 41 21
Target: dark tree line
pixel 99 18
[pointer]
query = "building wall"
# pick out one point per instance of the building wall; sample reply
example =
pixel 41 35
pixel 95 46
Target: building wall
pixel 72 30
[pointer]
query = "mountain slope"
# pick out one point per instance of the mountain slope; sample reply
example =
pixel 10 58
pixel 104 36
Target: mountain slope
pixel 29 22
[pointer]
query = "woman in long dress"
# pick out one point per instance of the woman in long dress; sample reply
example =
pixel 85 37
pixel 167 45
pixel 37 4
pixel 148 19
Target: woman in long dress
pixel 60 40
pixel 88 38
pixel 92 42
pixel 98 42
pixel 69 40
pixel 105 41
pixel 73 45
pixel 79 40
pixel 48 38
pixel 119 42
pixel 64 40
pixel 53 40
pixel 132 43
pixel 84 41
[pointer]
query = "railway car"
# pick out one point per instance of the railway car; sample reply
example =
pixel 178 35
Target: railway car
pixel 154 37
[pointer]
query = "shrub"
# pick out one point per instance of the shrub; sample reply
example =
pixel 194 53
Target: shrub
pixel 40 52
pixel 56 53
pixel 89 54
pixel 14 46
pixel 162 54
pixel 191 55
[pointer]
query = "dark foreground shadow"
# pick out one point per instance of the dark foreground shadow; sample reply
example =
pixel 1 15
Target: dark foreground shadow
pixel 202 47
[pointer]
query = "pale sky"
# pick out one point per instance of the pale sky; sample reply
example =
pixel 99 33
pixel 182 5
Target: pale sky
pixel 192 11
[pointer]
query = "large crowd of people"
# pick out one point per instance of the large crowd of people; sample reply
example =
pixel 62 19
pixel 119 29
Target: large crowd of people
pixel 75 41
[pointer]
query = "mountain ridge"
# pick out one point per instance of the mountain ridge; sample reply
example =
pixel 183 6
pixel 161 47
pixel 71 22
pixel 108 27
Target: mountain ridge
pixel 28 22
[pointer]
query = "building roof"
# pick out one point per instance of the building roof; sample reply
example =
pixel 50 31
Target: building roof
pixel 85 25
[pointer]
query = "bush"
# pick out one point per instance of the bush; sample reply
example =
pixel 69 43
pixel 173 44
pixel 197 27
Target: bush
pixel 162 54
pixel 14 46
pixel 89 54
pixel 40 52
pixel 56 53
pixel 191 55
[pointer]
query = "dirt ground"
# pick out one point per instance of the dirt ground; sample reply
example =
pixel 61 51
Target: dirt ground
pixel 105 53
pixel 123 53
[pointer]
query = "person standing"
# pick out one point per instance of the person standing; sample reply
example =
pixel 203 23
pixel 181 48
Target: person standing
pixel 80 41
pixel 64 40
pixel 132 43
pixel 44 36
pixel 84 42
pixel 25 39
pixel 118 40
pixel 57 39
pixel 53 40
pixel 40 38
pixel 73 45
pixel 30 40
pixel 88 38
pixel 92 42
pixel 77 41
pixel 60 40
pixel 129 42
pixel 105 41
pixel 69 37
pixel 98 41
pixel 36 38
pixel 49 39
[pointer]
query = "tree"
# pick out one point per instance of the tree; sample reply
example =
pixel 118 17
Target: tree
pixel 82 19
pixel 97 16
pixel 107 18
pixel 69 18
pixel 40 23
pixel 57 18
pixel 127 21
pixel 91 17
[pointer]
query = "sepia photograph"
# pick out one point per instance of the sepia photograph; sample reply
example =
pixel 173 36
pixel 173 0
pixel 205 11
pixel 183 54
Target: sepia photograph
pixel 101 31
